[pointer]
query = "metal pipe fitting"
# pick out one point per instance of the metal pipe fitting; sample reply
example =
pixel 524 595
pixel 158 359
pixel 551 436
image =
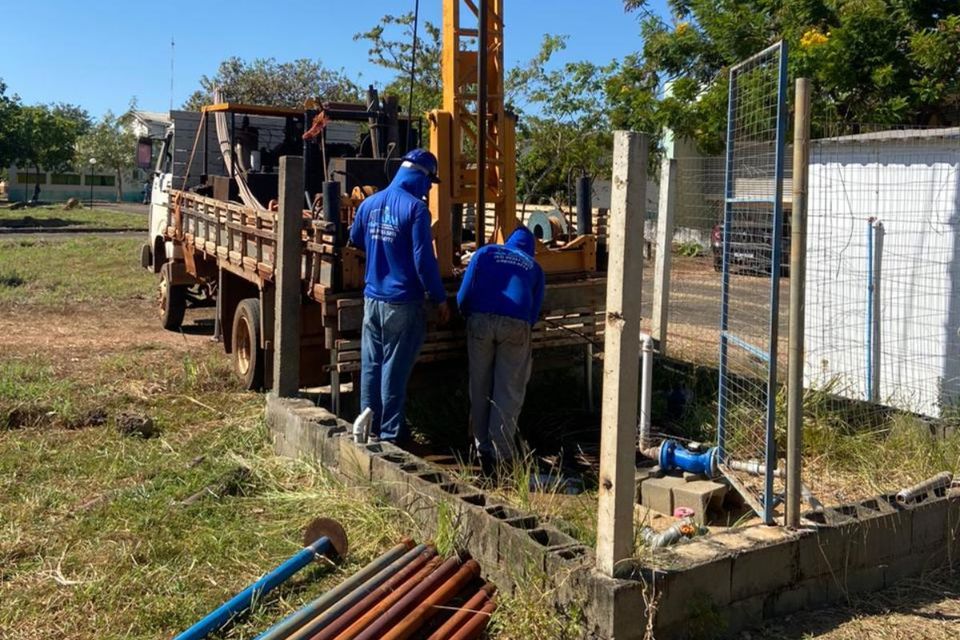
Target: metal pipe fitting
pixel 940 481
pixel 683 529
pixel 674 456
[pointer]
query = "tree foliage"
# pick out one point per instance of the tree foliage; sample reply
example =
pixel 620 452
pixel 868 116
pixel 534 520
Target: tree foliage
pixel 46 138
pixel 265 81
pixel 391 47
pixel 563 129
pixel 871 61
pixel 10 139
pixel 111 144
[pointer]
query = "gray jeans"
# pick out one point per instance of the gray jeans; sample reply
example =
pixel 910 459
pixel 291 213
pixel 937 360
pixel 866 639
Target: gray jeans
pixel 500 360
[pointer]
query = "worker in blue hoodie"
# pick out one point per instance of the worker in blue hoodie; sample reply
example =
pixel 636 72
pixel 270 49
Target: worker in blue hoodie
pixel 501 295
pixel 393 227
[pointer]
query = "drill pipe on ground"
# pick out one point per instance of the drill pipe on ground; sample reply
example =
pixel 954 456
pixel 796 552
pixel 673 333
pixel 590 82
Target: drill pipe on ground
pixel 470 608
pixel 474 627
pixel 424 611
pixel 295 620
pixel 377 595
pixel 374 613
pixel 938 481
pixel 320 622
pixel 221 616
pixel 416 595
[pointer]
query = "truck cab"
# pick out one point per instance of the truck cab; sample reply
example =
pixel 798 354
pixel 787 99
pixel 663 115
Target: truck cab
pixel 157 248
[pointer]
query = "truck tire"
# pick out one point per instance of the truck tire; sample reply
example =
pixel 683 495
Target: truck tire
pixel 248 356
pixel 173 303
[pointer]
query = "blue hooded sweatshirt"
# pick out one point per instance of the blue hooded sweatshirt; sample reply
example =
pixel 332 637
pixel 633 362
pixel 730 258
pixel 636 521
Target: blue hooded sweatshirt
pixel 504 280
pixel 393 227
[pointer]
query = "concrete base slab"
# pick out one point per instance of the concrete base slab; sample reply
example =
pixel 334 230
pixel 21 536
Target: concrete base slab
pixel 657 493
pixel 702 496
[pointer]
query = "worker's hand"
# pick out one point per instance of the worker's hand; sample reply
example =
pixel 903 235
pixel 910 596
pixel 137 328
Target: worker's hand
pixel 443 313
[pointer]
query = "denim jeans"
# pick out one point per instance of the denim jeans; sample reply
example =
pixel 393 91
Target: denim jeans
pixel 500 360
pixel 392 337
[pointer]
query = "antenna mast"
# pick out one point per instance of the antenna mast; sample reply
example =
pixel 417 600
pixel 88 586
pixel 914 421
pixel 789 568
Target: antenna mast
pixel 172 51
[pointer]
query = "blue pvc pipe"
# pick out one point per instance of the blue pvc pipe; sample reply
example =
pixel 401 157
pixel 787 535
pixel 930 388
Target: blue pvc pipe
pixel 674 455
pixel 221 616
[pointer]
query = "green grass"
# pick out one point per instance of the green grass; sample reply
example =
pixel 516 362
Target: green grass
pixel 56 217
pixel 60 271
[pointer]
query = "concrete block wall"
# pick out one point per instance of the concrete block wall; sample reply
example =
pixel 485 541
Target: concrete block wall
pixel 724 582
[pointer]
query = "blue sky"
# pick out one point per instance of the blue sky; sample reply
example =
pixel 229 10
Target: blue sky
pixel 100 54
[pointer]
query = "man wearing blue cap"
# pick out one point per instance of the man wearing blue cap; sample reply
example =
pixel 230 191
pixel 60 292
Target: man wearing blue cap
pixel 501 296
pixel 393 227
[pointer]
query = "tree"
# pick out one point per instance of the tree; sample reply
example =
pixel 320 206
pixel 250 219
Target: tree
pixel 111 144
pixel 75 113
pixel 871 61
pixel 10 138
pixel 391 47
pixel 265 81
pixel 566 131
pixel 46 139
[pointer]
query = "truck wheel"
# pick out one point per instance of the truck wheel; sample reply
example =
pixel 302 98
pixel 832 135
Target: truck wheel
pixel 173 303
pixel 247 354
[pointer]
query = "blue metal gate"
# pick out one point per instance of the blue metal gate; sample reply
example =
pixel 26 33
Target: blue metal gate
pixel 753 246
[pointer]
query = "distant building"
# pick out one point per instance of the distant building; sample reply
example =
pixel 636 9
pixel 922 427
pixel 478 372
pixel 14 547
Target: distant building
pixel 57 186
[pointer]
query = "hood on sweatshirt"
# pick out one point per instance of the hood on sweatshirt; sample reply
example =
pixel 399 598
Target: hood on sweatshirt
pixel 522 240
pixel 414 182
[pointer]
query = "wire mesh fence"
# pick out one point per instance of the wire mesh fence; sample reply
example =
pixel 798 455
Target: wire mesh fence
pixel 883 288
pixel 753 238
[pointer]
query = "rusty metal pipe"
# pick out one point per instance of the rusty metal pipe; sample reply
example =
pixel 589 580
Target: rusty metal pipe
pixel 464 613
pixel 377 595
pixel 378 609
pixel 429 607
pixel 416 595
pixel 318 622
pixel 295 620
pixel 476 625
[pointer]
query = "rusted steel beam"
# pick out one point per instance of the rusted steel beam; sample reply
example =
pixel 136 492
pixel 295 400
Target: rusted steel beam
pixel 465 613
pixel 437 598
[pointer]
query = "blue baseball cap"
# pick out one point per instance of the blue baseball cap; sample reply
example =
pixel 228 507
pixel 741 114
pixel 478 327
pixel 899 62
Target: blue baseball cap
pixel 424 162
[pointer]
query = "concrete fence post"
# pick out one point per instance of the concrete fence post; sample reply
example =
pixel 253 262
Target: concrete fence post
pixel 621 364
pixel 287 276
pixel 659 320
